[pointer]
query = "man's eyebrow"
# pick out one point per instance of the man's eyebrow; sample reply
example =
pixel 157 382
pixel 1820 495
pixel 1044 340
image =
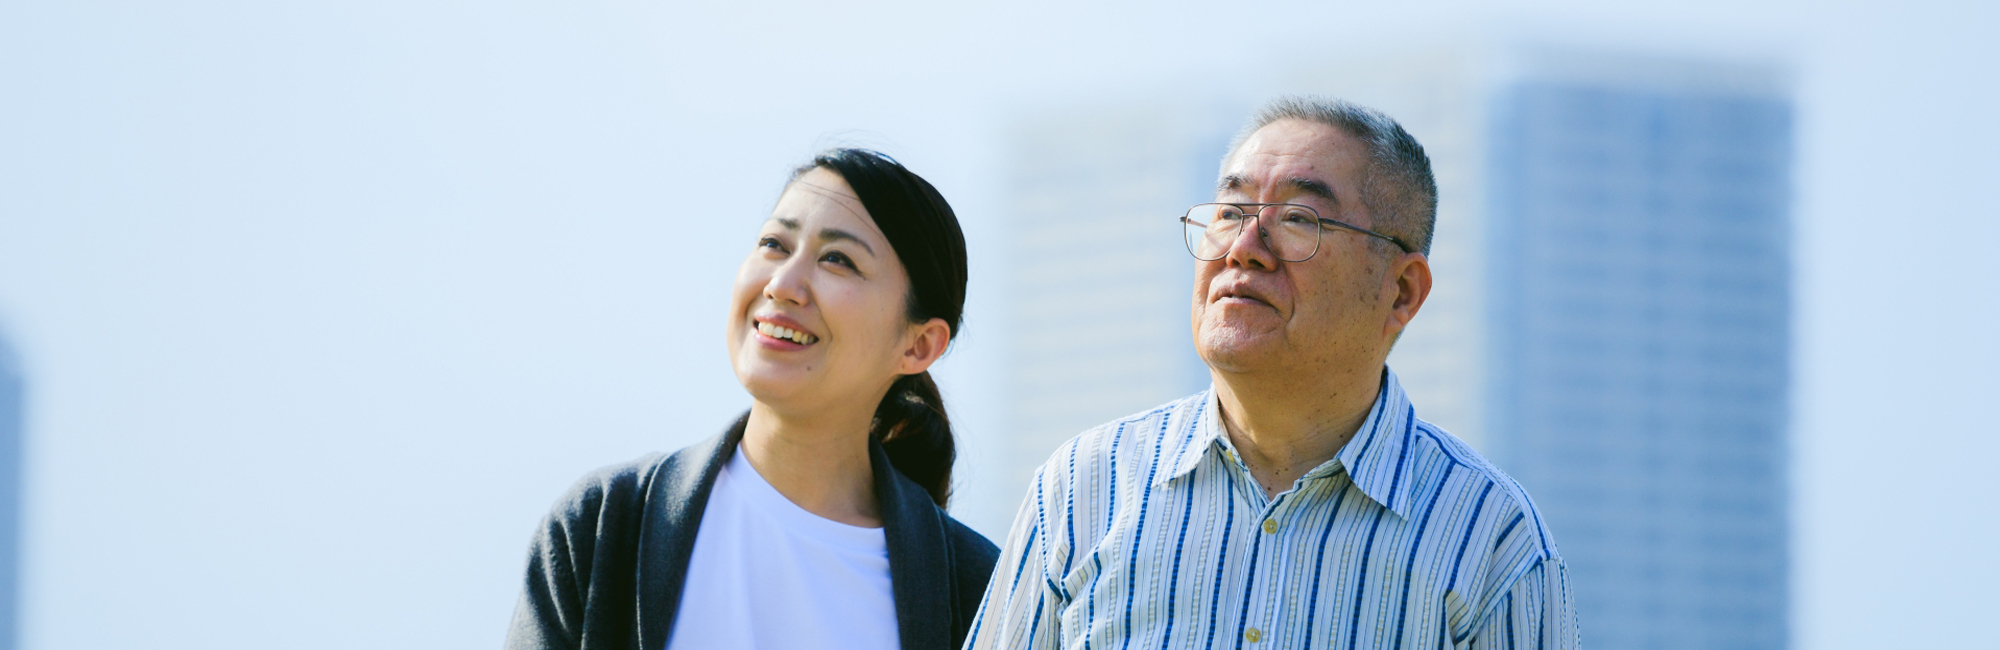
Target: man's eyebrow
pixel 836 234
pixel 1315 187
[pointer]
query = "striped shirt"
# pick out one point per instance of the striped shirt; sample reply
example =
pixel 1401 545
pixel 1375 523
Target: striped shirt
pixel 1149 532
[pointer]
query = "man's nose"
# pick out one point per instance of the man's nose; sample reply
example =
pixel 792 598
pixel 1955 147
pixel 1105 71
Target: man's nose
pixel 1251 247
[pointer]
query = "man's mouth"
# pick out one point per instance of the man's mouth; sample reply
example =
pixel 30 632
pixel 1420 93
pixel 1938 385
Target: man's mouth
pixel 785 333
pixel 1241 295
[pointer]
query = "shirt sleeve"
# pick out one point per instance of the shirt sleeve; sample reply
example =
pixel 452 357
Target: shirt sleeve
pixel 1534 613
pixel 1020 610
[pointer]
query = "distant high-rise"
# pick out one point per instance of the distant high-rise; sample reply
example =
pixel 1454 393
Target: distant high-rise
pixel 10 497
pixel 1641 334
pixel 1610 324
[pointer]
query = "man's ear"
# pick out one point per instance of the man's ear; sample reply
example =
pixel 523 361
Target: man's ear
pixel 1411 275
pixel 925 344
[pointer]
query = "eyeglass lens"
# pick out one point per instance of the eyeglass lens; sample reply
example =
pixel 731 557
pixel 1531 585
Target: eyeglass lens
pixel 1291 231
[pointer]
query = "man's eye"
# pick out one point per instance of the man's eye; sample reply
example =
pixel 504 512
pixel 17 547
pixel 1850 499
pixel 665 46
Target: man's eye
pixel 1228 214
pixel 1301 217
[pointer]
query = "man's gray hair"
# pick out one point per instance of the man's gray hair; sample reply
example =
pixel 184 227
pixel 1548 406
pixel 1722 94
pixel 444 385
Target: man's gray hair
pixel 1396 184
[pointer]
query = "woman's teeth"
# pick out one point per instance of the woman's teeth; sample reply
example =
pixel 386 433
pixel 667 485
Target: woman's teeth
pixel 786 333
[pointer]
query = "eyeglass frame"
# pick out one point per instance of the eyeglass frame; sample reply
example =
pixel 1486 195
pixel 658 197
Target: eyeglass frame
pixel 1265 236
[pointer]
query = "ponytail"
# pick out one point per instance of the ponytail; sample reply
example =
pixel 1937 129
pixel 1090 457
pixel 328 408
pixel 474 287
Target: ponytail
pixel 914 431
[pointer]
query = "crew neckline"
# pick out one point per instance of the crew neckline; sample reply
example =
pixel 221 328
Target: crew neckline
pixel 799 520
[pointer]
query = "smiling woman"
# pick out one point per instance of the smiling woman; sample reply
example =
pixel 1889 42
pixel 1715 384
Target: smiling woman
pixel 816 520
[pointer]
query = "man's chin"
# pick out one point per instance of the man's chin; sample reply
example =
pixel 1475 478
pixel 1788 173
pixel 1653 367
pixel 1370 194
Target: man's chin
pixel 1232 350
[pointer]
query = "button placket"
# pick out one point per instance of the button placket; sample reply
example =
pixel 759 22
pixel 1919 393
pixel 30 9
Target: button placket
pixel 1268 601
pixel 1274 602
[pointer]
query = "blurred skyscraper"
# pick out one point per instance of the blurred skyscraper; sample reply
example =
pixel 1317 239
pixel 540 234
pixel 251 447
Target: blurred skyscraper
pixel 1641 322
pixel 1610 324
pixel 10 496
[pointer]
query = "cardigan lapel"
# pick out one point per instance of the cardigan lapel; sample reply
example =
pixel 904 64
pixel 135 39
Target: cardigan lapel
pixel 919 571
pixel 673 503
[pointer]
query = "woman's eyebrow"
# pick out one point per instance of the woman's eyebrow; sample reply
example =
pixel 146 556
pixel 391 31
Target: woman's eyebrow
pixel 828 234
pixel 836 234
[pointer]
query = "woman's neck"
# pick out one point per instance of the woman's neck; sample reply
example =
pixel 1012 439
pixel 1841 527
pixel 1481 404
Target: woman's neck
pixel 820 463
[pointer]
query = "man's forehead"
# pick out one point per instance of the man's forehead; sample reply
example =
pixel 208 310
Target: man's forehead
pixel 1288 150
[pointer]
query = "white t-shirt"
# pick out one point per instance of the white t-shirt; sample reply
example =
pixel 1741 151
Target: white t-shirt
pixel 767 574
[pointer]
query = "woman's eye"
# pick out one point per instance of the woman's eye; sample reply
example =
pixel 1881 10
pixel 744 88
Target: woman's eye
pixel 838 257
pixel 771 243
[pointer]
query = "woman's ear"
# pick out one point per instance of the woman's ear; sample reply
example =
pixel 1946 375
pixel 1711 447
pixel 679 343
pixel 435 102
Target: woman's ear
pixel 924 346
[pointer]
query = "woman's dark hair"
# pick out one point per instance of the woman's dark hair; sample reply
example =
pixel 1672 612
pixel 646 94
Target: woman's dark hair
pixel 910 421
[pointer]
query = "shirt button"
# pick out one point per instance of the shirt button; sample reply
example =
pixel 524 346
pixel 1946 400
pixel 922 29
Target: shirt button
pixel 1270 526
pixel 1252 635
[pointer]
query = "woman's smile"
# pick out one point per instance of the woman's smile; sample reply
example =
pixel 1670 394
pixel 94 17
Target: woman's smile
pixel 776 330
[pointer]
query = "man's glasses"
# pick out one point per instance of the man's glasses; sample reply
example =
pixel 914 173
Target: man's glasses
pixel 1290 230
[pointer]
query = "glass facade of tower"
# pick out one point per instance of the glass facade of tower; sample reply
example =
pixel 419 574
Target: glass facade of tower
pixel 10 496
pixel 1639 275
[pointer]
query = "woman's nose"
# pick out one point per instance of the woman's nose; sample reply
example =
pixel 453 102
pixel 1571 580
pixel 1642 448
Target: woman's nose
pixel 790 282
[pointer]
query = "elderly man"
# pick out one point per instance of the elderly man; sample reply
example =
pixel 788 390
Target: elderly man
pixel 1298 503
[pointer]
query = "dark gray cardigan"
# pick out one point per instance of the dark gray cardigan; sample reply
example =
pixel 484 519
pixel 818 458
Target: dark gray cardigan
pixel 606 569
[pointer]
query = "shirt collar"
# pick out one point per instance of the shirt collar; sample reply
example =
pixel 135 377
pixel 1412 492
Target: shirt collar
pixel 1376 458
